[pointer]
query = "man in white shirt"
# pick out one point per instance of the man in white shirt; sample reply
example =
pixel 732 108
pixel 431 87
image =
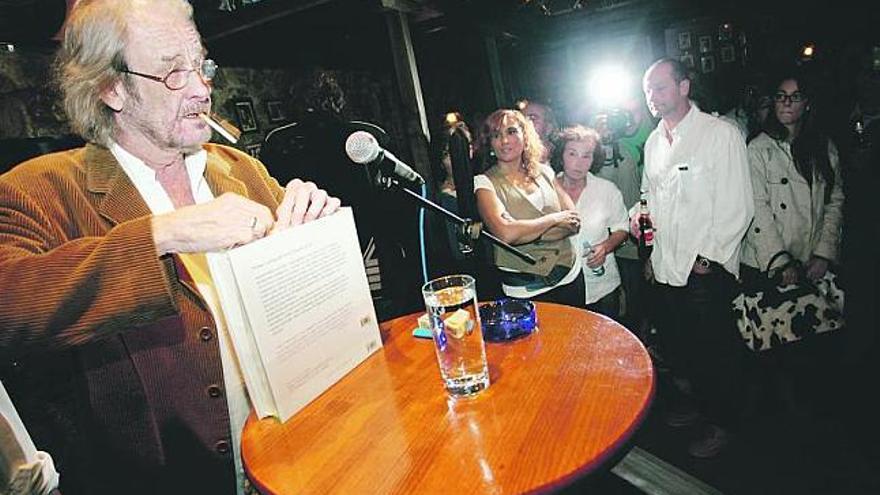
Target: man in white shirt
pixel 697 186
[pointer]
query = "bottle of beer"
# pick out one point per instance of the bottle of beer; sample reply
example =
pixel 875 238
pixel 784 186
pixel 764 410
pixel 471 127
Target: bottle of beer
pixel 646 231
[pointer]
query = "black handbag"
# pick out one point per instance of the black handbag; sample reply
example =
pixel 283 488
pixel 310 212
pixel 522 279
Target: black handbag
pixel 769 315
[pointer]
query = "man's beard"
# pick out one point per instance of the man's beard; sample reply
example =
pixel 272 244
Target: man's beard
pixel 158 132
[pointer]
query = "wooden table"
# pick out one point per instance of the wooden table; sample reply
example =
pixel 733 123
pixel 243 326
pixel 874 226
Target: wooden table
pixel 561 402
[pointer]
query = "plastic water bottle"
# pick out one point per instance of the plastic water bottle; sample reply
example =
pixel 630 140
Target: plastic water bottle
pixel 588 250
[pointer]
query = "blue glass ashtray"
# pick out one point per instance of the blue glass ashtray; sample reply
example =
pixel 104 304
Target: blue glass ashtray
pixel 507 319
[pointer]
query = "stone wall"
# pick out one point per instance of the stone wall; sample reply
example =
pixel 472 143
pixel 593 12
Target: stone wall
pixel 30 107
pixel 269 94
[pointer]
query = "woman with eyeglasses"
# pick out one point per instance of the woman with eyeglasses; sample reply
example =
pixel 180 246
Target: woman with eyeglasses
pixel 798 211
pixel 797 189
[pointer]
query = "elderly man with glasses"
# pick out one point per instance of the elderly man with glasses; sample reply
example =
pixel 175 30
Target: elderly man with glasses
pixel 124 371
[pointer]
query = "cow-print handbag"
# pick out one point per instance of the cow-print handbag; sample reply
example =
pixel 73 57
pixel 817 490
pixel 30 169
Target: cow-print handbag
pixel 769 316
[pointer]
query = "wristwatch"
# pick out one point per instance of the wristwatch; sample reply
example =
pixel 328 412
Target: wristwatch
pixel 703 262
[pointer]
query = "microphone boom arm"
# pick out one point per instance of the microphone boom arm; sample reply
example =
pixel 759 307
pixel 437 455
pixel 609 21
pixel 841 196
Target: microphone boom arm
pixel 464 224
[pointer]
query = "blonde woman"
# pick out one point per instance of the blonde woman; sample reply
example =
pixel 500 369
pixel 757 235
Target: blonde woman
pixel 520 202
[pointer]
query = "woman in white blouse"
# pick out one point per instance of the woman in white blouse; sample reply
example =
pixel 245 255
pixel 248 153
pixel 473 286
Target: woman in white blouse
pixel 520 203
pixel 604 219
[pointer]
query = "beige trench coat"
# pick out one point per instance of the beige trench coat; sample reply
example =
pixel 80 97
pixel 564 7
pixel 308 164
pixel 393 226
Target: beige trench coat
pixel 789 214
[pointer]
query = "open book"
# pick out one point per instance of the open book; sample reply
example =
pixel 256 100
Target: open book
pixel 299 312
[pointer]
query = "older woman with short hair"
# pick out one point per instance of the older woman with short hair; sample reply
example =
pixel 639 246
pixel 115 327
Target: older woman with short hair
pixel 604 219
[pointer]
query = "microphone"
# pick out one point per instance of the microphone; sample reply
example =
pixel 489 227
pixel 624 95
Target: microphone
pixel 363 149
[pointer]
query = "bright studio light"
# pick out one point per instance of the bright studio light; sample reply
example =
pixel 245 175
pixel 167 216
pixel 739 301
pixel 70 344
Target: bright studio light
pixel 609 86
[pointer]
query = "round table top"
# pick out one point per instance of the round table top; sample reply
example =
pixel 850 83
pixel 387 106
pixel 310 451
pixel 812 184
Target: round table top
pixel 560 403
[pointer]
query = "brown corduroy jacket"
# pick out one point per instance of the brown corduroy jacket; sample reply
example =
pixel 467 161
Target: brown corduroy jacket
pixel 111 356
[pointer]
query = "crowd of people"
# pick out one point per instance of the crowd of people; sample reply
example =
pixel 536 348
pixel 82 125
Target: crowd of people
pixel 727 195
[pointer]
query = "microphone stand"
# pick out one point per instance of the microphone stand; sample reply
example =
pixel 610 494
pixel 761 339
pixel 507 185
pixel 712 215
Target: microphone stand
pixel 469 227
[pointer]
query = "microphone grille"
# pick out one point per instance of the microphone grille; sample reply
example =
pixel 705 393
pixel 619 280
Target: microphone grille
pixel 361 147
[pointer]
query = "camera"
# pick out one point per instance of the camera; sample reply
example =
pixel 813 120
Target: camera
pixel 613 123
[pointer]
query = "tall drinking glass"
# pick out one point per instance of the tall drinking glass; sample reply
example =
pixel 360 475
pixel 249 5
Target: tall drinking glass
pixel 451 303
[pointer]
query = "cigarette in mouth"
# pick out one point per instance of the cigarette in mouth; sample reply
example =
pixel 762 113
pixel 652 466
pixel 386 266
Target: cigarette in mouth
pixel 225 129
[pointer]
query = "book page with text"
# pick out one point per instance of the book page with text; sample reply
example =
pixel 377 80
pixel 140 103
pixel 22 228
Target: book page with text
pixel 306 296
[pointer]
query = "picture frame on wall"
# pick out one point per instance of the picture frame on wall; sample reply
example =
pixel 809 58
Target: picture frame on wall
pixel 687 60
pixel 254 149
pixel 728 54
pixel 684 41
pixel 247 118
pixel 705 44
pixel 275 109
pixel 707 63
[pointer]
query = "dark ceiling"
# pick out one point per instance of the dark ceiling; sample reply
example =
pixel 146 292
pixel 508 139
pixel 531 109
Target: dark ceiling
pixel 274 31
pixel 294 33
pixel 353 33
pixel 343 33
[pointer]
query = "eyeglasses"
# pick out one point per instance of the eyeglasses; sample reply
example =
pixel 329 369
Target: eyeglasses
pixel 795 97
pixel 179 78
